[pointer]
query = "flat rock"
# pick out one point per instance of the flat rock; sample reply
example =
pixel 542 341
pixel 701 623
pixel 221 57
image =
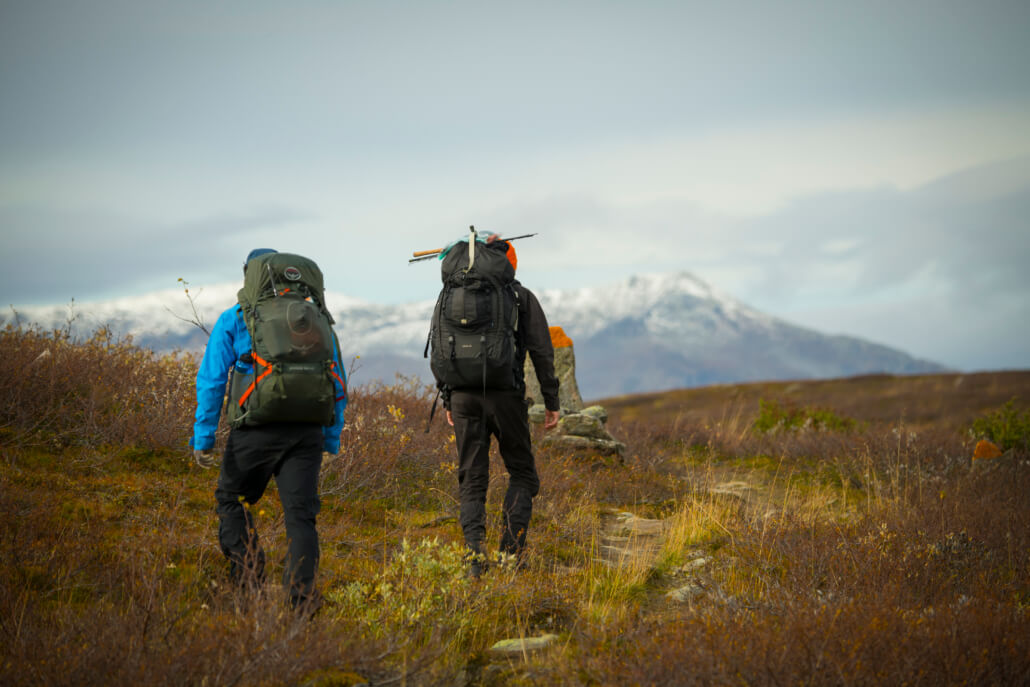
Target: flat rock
pixel 690 566
pixel 686 593
pixel 522 645
pixel 737 489
pixel 599 446
pixel 631 525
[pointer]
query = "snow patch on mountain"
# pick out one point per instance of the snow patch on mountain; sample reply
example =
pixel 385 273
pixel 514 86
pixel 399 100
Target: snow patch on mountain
pixel 645 333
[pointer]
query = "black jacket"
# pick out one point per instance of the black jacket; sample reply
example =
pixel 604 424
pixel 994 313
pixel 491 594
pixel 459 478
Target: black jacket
pixel 534 337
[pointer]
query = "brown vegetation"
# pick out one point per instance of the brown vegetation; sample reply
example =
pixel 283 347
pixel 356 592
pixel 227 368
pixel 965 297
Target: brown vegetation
pixel 862 552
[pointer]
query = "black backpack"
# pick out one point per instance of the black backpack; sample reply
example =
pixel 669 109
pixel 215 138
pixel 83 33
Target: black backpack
pixel 292 344
pixel 474 325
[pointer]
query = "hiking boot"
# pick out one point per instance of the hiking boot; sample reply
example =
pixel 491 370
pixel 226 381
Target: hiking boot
pixel 475 563
pixel 307 606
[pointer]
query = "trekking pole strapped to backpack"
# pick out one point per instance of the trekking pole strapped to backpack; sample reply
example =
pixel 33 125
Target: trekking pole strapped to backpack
pixel 420 255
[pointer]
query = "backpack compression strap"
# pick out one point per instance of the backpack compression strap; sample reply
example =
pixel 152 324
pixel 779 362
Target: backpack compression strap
pixel 258 360
pixel 336 376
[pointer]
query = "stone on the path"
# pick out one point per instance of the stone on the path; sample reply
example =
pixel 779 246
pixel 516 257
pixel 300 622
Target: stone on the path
pixel 574 443
pixel 686 593
pixel 522 645
pixel 631 525
pixel 738 489
pixel 693 565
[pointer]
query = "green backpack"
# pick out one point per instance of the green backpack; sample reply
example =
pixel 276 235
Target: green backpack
pixel 292 345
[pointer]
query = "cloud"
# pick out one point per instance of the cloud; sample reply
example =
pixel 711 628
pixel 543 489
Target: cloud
pixel 54 256
pixel 927 268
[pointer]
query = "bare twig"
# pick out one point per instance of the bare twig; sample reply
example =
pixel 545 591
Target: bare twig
pixel 196 319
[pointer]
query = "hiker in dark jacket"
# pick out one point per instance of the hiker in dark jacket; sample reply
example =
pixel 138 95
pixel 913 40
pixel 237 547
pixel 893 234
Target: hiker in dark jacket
pixel 289 451
pixel 476 414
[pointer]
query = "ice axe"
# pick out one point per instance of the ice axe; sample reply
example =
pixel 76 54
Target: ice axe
pixel 420 255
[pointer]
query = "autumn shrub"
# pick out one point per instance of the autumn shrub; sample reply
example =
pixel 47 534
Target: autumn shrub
pixel 805 644
pixel 774 417
pixel 874 555
pixel 104 390
pixel 385 448
pixel 1007 427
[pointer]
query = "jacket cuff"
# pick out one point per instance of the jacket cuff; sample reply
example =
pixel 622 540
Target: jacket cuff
pixel 202 443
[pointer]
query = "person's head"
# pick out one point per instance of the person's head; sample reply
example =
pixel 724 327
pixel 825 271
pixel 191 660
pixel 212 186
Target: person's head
pixel 255 253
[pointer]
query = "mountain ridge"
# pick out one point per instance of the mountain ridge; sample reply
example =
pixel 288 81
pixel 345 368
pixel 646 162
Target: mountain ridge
pixel 649 332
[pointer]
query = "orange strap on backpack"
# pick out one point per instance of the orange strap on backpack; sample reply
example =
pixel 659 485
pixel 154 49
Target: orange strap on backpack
pixel 337 377
pixel 258 360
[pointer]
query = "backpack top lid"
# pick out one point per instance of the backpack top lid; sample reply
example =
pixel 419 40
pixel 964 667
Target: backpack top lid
pixel 273 274
pixel 491 260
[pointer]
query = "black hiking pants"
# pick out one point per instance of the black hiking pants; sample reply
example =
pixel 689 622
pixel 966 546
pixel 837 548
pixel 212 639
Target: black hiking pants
pixel 503 414
pixel 292 453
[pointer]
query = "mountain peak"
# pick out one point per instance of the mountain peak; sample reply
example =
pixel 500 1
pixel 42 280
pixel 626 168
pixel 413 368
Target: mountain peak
pixel 647 332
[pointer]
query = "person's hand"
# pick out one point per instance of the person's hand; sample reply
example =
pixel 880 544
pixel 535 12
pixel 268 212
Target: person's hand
pixel 550 419
pixel 450 418
pixel 205 459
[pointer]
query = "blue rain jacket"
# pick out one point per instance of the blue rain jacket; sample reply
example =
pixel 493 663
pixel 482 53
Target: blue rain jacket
pixel 229 340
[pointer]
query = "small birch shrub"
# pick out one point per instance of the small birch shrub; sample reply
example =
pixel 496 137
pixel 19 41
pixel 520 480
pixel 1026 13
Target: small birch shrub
pixel 772 417
pixel 422 587
pixel 1006 427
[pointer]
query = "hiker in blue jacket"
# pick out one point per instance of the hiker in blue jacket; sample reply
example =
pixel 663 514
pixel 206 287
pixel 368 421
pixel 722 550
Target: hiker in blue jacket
pixel 289 451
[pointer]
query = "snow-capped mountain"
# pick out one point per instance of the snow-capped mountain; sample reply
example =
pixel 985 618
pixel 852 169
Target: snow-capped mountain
pixel 647 333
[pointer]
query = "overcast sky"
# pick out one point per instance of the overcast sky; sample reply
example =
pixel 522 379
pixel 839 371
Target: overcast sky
pixel 854 167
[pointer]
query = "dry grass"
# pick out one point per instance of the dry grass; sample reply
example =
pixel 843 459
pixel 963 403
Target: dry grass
pixel 872 555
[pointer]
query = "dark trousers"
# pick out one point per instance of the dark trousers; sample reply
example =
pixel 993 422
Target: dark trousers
pixel 291 453
pixel 476 417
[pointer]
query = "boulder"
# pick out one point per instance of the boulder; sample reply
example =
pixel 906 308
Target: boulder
pixel 597 411
pixel 583 425
pixel 564 367
pixel 580 428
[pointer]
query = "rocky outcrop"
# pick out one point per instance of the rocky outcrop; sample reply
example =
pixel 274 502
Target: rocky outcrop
pixel 580 428
pixel 564 367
